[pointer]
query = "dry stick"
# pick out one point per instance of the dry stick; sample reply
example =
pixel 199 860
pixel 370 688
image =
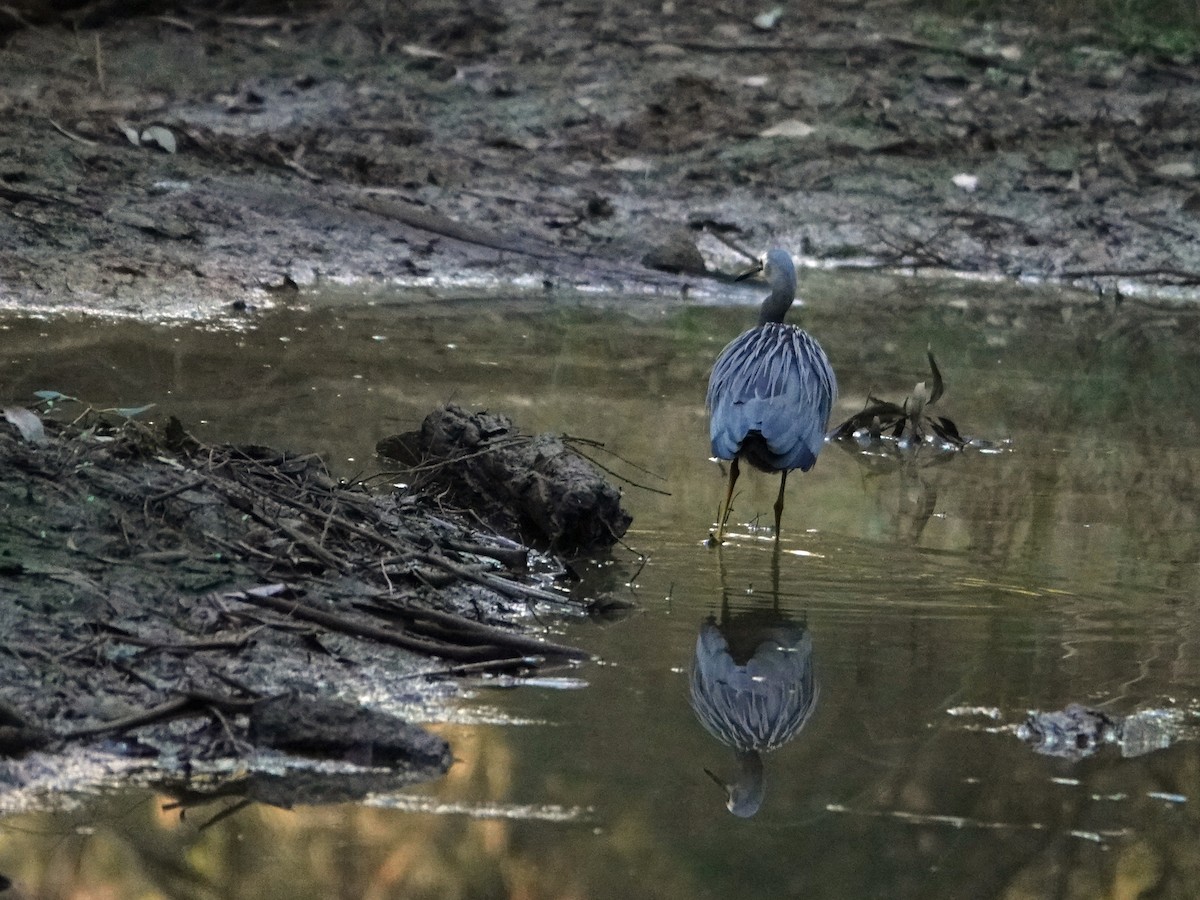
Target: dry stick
pixel 810 49
pixel 511 557
pixel 492 445
pixel 16 195
pixel 382 635
pixel 229 679
pixel 469 668
pixel 175 22
pixel 728 47
pixel 189 704
pixel 1188 277
pixel 17 17
pixel 570 440
pixel 234 488
pixel 315 549
pixel 427 220
pixel 169 710
pixel 502 585
pixel 489 633
pixel 628 481
pixel 208 644
pixel 71 135
pixel 239 745
pixel 100 65
pixel 240 547
pixel 303 540
pixel 178 489
pixel 731 244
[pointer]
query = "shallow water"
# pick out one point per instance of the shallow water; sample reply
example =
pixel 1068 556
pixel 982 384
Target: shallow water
pixel 942 603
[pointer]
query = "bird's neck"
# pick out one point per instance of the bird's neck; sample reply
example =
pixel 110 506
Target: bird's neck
pixel 775 307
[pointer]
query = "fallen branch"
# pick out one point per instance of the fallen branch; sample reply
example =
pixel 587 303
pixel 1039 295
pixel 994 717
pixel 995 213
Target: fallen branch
pixel 189 704
pixel 264 597
pixel 428 220
pixel 461 626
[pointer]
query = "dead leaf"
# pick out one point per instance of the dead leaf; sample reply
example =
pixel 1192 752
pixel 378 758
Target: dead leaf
pixel 967 182
pixel 27 423
pixel 768 20
pixel 157 134
pixel 131 133
pixel 788 128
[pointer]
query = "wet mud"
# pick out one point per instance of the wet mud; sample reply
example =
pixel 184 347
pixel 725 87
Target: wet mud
pixel 175 164
pixel 170 600
pixel 534 487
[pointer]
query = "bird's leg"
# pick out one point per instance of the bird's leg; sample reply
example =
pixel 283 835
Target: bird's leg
pixel 779 501
pixel 733 477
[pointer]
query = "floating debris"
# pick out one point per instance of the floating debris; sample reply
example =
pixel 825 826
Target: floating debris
pixel 902 429
pixel 1077 732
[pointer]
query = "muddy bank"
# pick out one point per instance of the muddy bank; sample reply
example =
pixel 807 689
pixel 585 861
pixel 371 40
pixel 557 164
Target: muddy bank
pixel 427 143
pixel 182 604
pixel 534 486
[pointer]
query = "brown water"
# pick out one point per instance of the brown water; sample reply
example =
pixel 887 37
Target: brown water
pixel 942 603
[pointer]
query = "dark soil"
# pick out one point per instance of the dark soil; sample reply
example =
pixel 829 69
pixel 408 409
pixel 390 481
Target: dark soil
pixel 433 141
pixel 188 161
pixel 536 487
pixel 166 599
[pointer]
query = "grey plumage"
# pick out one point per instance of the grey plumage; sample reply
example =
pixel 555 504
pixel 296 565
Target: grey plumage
pixel 771 391
pixel 752 705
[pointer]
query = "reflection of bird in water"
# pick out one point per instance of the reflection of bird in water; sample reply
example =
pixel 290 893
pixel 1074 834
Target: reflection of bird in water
pixel 752 688
pixel 771 391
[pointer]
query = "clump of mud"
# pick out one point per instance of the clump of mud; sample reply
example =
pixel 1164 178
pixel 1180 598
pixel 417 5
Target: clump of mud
pixel 179 595
pixel 536 488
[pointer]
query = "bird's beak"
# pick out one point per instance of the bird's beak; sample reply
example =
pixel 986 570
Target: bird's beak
pixel 753 270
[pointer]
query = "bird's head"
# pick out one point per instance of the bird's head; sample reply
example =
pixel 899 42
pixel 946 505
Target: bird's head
pixel 753 270
pixel 780 272
pixel 744 795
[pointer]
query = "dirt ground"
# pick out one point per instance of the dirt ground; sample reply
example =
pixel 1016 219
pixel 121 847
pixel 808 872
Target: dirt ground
pixel 182 604
pixel 573 143
pixel 187 162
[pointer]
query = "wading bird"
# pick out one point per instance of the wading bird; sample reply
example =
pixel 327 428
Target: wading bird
pixel 771 391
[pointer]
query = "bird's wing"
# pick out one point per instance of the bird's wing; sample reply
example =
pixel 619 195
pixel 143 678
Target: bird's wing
pixel 776 380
